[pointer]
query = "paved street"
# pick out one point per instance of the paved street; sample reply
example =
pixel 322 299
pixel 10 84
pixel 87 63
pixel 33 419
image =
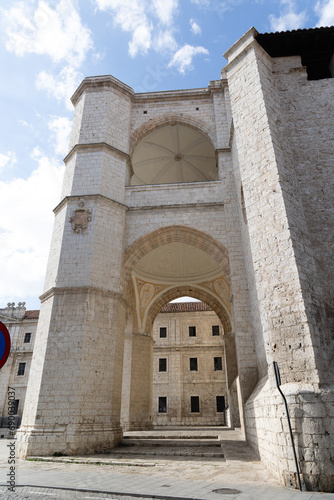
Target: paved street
pixel 241 476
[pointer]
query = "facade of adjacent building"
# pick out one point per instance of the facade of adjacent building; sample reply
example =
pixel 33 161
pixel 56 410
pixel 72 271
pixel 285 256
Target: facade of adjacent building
pixel 189 382
pixel 22 326
pixel 224 194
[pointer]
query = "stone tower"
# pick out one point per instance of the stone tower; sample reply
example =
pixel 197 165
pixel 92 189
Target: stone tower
pixel 222 194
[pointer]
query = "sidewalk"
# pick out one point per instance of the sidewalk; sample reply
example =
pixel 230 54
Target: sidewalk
pixel 239 477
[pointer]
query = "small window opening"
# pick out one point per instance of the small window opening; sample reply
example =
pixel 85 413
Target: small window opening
pixel 192 331
pixel 218 365
pixel 163 332
pixel 194 404
pixel 193 364
pixel 21 370
pixel 215 330
pixel 145 112
pixel 197 109
pixel 220 401
pixel 27 338
pixel 162 365
pixel 162 405
pixel 14 408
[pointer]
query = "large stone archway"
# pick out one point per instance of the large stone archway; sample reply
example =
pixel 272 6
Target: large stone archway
pixel 245 226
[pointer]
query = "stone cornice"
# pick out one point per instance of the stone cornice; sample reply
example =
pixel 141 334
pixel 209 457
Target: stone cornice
pixel 101 83
pixel 87 197
pixel 202 93
pixel 215 204
pixel 96 145
pixel 72 290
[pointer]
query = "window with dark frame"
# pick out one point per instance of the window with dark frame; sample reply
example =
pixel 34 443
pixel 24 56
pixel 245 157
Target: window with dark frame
pixel 15 407
pixel 27 338
pixel 21 370
pixel 220 401
pixel 192 331
pixel 163 332
pixel 162 405
pixel 193 364
pixel 215 330
pixel 194 404
pixel 162 364
pixel 218 365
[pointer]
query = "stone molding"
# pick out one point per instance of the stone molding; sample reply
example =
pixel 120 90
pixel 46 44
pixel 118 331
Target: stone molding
pixel 177 205
pixel 91 146
pixel 101 83
pixel 71 290
pixel 99 197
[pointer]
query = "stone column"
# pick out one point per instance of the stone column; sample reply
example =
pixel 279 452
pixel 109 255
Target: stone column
pixel 140 402
pixel 74 391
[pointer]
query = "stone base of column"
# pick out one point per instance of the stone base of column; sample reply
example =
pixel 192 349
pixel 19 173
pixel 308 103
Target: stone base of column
pixel 80 440
pixel 312 420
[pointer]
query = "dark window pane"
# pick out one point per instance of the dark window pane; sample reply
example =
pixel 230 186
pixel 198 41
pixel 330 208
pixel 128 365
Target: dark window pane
pixel 192 331
pixel 193 364
pixel 218 364
pixel 21 370
pixel 194 402
pixel 162 365
pixel 15 407
pixel 162 405
pixel 215 330
pixel 220 403
pixel 163 332
pixel 27 338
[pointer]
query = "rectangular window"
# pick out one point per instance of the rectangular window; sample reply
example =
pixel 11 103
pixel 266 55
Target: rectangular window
pixel 218 365
pixel 15 407
pixel 215 330
pixel 163 332
pixel 193 364
pixel 27 338
pixel 220 403
pixel 21 370
pixel 162 365
pixel 194 403
pixel 192 331
pixel 162 405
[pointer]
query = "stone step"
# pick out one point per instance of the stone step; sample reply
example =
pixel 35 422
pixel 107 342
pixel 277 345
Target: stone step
pixel 164 451
pixel 167 435
pixel 127 441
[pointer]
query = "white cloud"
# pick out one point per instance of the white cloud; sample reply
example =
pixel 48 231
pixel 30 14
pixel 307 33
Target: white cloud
pixel 325 11
pixel 165 9
pixel 57 33
pixel 60 86
pixel 60 127
pixel 141 40
pixel 131 16
pixel 289 18
pixel 165 42
pixel 7 160
pixel 182 59
pixel 195 28
pixel 25 234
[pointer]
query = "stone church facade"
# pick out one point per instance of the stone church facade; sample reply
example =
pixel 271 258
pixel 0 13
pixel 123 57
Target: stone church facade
pixel 223 194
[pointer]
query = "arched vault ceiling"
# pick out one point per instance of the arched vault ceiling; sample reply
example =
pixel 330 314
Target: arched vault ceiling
pixel 176 263
pixel 174 153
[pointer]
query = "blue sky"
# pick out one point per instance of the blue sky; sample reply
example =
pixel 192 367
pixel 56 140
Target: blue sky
pixel 48 47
